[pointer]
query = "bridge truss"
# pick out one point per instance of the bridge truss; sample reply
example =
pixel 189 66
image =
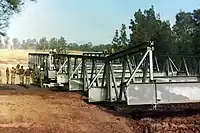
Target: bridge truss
pixel 134 76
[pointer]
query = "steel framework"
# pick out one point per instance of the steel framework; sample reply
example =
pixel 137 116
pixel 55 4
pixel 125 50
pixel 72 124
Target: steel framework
pixel 134 75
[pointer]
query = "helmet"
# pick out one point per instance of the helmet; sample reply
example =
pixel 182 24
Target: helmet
pixel 38 67
pixel 50 51
pixel 54 50
pixel 41 69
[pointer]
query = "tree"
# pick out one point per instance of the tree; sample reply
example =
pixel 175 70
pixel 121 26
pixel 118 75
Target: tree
pixel 115 41
pixel 184 31
pixel 6 42
pixel 7 9
pixel 73 46
pixel 61 45
pixel 147 26
pixel 44 43
pixel 123 41
pixel 53 43
pixel 86 47
pixel 16 43
pixel 196 33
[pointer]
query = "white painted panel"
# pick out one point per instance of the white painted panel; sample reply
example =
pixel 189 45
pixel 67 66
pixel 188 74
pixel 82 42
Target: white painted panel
pixel 138 94
pixel 97 94
pixel 178 92
pixel 62 78
pixel 75 85
pixel 52 74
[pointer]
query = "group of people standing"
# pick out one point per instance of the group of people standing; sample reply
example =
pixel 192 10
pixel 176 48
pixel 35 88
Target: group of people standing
pixel 11 74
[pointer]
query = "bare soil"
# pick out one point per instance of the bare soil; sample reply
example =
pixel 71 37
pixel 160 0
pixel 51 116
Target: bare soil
pixel 36 110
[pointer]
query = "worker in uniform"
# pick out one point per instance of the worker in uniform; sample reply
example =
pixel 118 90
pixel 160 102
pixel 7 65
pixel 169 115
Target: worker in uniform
pixel 21 75
pixel 7 75
pixel 27 74
pixel 54 51
pixel 13 72
pixel 17 69
pixel 33 77
pixel 50 51
pixel 37 74
pixel 41 77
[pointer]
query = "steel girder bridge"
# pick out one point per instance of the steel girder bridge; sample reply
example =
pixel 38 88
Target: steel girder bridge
pixel 135 76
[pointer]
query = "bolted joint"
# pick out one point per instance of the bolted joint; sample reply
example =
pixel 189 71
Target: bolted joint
pixel 151 43
pixel 151 47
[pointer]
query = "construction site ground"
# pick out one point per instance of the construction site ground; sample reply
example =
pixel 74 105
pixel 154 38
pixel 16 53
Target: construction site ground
pixel 36 110
pixel 39 110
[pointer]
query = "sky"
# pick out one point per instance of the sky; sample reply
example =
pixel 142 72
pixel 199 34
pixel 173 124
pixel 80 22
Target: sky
pixel 83 21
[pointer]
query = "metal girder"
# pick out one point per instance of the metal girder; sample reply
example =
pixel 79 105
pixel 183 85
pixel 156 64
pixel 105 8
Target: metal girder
pixel 130 51
pixel 107 80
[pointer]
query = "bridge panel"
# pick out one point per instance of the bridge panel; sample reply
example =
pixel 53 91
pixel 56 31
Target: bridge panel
pixel 163 93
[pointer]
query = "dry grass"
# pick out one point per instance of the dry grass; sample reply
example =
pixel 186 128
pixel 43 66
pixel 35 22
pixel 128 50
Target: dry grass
pixel 14 56
pixel 10 58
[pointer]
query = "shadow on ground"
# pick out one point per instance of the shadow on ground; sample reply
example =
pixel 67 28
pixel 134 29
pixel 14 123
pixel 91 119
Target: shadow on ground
pixel 117 109
pixel 139 112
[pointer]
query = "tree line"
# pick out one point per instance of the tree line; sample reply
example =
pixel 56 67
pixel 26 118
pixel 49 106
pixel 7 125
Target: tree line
pixel 182 37
pixel 60 44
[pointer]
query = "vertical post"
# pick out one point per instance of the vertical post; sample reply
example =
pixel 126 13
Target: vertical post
pixel 171 67
pixel 198 65
pixel 108 82
pixel 114 82
pixel 156 97
pixel 167 66
pixel 104 75
pixel 92 71
pixel 186 68
pixel 75 65
pixel 157 67
pixel 84 75
pixel 145 69
pixel 69 70
pixel 151 61
pixel 130 66
pixel 124 65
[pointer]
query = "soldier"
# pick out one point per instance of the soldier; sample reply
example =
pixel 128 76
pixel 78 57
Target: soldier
pixel 7 75
pixel 21 75
pixel 54 51
pixel 13 72
pixel 41 77
pixel 17 68
pixel 27 74
pixel 50 51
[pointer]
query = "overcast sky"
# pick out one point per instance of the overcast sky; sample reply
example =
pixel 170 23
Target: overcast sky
pixel 82 21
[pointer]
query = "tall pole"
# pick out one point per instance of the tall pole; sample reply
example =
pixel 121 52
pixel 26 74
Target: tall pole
pixel 151 61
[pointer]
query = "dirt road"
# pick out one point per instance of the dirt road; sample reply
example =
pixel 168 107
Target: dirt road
pixel 43 111
pixel 35 111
